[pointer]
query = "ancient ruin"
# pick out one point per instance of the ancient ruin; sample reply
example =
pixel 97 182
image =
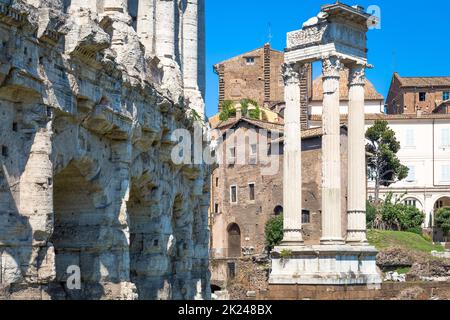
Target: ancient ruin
pixel 337 37
pixel 89 100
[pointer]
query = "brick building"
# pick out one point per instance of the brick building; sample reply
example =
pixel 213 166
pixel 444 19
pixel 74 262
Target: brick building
pixel 255 75
pixel 244 198
pixel 418 94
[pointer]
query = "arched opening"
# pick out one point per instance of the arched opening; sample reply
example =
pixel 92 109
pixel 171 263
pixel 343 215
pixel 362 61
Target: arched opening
pixel 215 288
pixel 438 234
pixel 145 239
pixel 278 210
pixel 76 235
pixel 234 241
pixel 413 202
pixel 182 246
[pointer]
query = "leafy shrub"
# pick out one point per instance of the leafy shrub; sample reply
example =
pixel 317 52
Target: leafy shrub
pixel 228 110
pixel 411 219
pixel 274 232
pixel 251 113
pixel 393 214
pixel 371 213
pixel 443 220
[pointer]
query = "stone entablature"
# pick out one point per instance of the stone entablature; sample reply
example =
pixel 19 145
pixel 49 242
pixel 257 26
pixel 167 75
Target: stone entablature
pixel 338 30
pixel 86 176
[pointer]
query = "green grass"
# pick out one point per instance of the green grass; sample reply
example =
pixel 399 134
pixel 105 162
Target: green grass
pixel 405 240
pixel 403 270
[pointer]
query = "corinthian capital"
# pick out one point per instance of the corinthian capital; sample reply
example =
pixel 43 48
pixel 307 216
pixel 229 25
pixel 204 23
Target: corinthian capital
pixel 331 67
pixel 291 73
pixel 357 76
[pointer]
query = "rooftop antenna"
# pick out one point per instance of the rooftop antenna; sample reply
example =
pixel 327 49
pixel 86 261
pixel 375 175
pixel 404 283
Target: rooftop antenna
pixel 394 60
pixel 270 33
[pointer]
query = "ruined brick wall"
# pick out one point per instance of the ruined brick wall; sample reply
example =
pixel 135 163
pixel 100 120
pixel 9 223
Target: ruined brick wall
pixel 387 291
pixel 86 176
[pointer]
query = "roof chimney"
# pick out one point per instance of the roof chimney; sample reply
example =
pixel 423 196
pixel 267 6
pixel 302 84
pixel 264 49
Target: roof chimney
pixel 238 111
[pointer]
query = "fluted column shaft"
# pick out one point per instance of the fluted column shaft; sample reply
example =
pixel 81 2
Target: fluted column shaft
pixel 356 229
pixel 201 77
pixel 331 155
pixel 165 28
pixel 292 167
pixel 145 24
pixel 190 45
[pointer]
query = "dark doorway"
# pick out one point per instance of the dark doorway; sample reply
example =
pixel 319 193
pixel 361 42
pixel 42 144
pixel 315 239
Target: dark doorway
pixel 234 240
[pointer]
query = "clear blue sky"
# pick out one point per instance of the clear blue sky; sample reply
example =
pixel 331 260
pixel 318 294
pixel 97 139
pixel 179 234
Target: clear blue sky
pixel 414 38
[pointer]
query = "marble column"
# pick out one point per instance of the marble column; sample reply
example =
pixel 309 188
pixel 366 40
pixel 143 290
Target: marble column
pixel 356 229
pixel 201 77
pixel 165 28
pixel 331 155
pixel 145 25
pixel 190 45
pixel 292 167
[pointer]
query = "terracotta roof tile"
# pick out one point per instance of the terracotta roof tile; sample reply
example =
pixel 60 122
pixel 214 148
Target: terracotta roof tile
pixel 424 82
pixel 370 91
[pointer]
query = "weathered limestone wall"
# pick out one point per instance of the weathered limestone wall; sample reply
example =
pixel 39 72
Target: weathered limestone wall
pixel 86 177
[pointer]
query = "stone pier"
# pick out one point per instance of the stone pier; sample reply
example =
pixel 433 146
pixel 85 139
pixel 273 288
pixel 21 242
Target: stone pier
pixel 337 37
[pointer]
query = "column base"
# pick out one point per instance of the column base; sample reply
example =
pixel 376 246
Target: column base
pixel 358 242
pixel 325 265
pixel 331 241
pixel 292 238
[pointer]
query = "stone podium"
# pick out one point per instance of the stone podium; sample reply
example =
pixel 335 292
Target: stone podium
pixel 337 37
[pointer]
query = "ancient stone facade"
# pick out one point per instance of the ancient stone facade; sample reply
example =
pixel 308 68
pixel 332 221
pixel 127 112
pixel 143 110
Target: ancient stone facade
pixel 237 227
pixel 88 106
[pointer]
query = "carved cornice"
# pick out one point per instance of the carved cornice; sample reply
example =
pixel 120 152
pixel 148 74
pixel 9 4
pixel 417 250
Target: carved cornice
pixel 307 36
pixel 331 67
pixel 357 76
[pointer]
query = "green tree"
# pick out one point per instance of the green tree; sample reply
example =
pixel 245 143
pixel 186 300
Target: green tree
pixel 382 161
pixel 371 213
pixel 443 220
pixel 274 232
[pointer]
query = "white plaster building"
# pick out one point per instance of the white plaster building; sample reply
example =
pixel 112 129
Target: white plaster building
pixel 425 150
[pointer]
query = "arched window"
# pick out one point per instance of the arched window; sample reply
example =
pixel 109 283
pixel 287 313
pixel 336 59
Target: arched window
pixel 278 210
pixel 234 240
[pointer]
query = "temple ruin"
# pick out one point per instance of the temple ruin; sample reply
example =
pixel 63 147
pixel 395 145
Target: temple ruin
pixel 337 37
